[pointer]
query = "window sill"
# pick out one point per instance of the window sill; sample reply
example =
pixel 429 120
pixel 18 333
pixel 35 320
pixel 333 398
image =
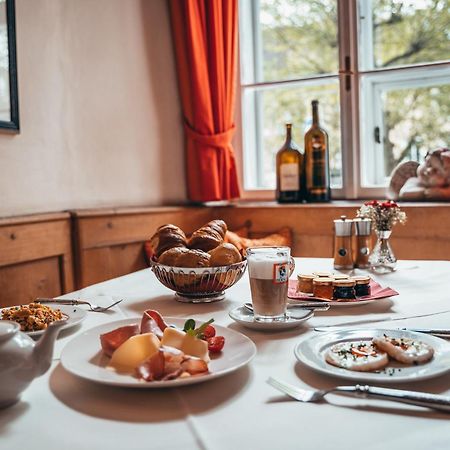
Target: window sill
pixel 329 205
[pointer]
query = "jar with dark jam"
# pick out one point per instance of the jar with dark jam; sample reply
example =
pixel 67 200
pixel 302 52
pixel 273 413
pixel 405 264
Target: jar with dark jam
pixel 362 286
pixel 344 290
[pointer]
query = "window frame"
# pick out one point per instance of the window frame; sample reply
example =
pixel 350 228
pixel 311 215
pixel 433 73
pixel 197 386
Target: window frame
pixel 350 80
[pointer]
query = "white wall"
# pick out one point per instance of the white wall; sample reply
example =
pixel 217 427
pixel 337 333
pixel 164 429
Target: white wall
pixel 99 110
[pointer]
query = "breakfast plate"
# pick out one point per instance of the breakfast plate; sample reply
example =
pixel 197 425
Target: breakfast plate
pixel 83 357
pixel 71 314
pixel 292 319
pixel 311 352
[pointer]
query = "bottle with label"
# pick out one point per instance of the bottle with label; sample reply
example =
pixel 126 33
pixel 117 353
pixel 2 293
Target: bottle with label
pixel 316 160
pixel 289 171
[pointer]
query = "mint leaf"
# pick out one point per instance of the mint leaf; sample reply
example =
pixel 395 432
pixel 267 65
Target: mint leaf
pixel 189 325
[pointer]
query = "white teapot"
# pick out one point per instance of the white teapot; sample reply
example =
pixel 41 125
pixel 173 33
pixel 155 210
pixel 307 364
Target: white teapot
pixel 22 359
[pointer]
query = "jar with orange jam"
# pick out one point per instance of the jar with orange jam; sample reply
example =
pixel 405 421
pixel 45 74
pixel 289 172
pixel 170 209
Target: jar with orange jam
pixel 323 288
pixel 305 283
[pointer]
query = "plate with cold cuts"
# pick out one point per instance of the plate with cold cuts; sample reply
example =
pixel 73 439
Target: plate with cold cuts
pixel 340 353
pixel 83 357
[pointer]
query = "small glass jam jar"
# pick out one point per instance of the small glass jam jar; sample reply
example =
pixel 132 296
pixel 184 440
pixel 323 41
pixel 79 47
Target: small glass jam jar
pixel 340 276
pixel 322 274
pixel 305 283
pixel 362 286
pixel 344 289
pixel 323 288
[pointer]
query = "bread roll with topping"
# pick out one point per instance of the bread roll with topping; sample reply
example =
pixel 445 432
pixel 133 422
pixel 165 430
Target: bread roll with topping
pixel 209 236
pixel 224 255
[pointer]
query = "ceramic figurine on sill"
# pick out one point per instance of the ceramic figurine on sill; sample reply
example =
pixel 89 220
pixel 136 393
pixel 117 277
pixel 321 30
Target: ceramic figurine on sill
pixel 427 181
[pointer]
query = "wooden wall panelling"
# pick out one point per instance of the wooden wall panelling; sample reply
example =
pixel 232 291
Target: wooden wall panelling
pixel 425 236
pixel 109 243
pixel 35 257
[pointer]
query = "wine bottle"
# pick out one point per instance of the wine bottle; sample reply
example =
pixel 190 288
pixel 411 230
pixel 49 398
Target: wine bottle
pixel 316 160
pixel 289 171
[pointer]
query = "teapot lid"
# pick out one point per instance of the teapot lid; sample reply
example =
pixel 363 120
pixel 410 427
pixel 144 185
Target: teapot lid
pixel 8 329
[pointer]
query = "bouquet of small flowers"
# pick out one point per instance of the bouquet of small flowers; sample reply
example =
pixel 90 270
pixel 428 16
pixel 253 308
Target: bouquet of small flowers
pixel 384 215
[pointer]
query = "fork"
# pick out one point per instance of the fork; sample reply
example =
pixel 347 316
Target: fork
pixel 433 401
pixel 72 302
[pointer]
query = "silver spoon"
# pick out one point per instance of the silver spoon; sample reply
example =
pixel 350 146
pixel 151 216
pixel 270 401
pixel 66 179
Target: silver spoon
pixel 316 306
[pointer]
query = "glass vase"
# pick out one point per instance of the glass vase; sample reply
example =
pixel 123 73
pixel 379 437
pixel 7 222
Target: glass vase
pixel 382 258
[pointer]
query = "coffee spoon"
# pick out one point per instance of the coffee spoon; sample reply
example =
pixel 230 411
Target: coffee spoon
pixel 316 306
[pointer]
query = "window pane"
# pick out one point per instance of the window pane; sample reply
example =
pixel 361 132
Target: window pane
pixel 415 121
pixel 297 38
pixel 277 106
pixel 402 32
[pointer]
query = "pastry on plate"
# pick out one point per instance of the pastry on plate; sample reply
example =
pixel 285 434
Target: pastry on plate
pixel 361 356
pixel 404 350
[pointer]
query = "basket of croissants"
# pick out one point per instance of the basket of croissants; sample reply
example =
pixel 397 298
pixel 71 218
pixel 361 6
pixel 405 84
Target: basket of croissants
pixel 198 268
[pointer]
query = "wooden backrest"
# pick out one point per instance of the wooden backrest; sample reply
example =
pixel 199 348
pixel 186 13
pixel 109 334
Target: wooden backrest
pixel 35 257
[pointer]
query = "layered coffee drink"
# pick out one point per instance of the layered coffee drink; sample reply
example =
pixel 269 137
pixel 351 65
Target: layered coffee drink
pixel 269 269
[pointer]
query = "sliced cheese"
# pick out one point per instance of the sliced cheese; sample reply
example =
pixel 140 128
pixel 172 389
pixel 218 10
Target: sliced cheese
pixel 133 351
pixel 188 344
pixel 195 347
pixel 173 338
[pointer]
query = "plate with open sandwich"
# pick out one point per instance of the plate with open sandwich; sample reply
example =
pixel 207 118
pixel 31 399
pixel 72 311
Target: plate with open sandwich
pixel 155 352
pixel 34 318
pixel 376 355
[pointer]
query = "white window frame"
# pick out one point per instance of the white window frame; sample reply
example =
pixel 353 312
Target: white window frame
pixel 353 139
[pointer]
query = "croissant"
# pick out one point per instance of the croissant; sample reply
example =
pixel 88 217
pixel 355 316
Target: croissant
pixel 166 237
pixel 209 236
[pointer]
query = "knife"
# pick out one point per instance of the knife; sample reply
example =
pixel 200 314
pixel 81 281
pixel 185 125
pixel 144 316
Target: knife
pixel 439 332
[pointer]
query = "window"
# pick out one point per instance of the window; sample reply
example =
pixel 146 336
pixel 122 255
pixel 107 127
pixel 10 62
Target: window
pixel 379 68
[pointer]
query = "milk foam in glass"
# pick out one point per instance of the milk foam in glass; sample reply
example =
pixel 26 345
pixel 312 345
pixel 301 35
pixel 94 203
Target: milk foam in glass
pixel 269 269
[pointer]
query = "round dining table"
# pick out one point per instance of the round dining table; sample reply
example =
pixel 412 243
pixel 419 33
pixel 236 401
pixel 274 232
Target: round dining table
pixel 240 409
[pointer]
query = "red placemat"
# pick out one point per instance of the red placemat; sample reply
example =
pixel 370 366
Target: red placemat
pixel 377 291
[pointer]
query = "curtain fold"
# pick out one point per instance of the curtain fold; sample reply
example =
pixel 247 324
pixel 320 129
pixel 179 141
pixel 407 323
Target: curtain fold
pixel 205 37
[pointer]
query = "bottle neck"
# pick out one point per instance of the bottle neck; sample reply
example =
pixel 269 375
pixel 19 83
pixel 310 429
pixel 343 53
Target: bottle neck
pixel 315 113
pixel 288 133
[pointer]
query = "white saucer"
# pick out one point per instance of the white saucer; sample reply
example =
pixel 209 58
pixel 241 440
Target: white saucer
pixel 246 318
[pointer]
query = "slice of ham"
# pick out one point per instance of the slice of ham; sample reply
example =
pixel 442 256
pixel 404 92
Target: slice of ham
pixel 114 339
pixel 153 322
pixel 152 368
pixel 168 364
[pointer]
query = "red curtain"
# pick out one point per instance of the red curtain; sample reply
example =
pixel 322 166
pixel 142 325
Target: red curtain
pixel 205 36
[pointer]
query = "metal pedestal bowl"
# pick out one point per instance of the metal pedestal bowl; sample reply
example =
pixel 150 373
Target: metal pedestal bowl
pixel 204 285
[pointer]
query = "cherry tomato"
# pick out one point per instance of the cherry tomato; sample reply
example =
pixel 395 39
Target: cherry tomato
pixel 215 344
pixel 209 332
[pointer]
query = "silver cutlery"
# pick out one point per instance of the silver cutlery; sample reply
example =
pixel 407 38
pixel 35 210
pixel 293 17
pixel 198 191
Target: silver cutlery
pixel 316 306
pixel 72 302
pixel 438 332
pixel 339 326
pixel 433 401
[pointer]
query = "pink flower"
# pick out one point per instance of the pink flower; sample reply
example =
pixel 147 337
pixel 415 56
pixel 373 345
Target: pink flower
pixel 372 203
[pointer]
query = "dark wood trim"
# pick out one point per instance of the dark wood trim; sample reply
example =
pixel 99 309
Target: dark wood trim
pixel 13 124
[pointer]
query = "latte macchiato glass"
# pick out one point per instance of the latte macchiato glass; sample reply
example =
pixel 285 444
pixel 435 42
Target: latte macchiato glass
pixel 269 269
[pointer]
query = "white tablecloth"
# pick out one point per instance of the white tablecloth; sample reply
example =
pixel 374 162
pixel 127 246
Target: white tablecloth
pixel 239 410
